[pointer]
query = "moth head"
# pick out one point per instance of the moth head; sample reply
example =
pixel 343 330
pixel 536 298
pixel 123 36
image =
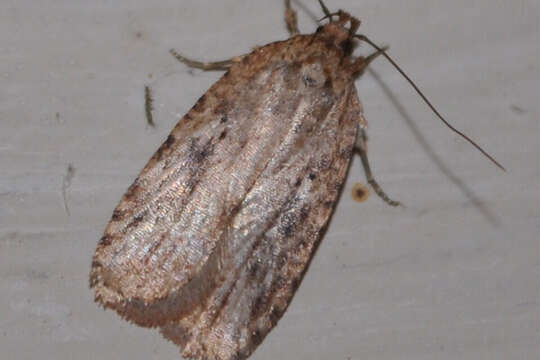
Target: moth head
pixel 341 31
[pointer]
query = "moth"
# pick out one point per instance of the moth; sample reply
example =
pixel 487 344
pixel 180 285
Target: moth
pixel 212 239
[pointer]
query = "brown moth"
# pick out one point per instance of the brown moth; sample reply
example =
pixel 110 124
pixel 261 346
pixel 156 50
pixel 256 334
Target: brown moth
pixel 212 239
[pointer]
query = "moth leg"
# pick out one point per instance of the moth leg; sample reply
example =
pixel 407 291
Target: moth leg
pixel 361 147
pixel 375 55
pixel 291 19
pixel 206 66
pixel 361 63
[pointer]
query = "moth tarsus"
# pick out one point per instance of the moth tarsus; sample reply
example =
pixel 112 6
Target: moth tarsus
pixel 361 148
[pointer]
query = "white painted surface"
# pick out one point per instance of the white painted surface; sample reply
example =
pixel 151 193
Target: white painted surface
pixel 442 278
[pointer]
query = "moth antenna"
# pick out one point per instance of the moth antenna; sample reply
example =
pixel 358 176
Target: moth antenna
pixel 325 9
pixel 329 16
pixel 428 103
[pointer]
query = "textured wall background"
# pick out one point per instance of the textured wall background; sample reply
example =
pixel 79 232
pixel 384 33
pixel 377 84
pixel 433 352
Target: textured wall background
pixel 454 275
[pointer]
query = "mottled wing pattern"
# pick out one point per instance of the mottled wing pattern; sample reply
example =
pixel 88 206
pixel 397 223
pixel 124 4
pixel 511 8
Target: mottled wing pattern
pixel 220 225
pixel 270 240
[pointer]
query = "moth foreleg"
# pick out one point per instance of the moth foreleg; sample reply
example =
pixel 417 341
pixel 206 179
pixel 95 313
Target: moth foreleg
pixel 291 19
pixel 362 63
pixel 361 147
pixel 206 66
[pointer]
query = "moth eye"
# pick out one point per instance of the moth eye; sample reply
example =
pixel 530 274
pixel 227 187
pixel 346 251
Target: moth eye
pixel 313 75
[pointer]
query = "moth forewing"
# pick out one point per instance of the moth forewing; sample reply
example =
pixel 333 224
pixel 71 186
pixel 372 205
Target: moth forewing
pixel 212 239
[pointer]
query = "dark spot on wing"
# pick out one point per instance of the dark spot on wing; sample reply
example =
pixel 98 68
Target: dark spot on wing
pixel 253 270
pixel 275 314
pixel 170 141
pixel 205 152
pixel 295 283
pixel 132 191
pixel 136 220
pixel 280 283
pixel 223 134
pixel 222 307
pixel 281 261
pixel 347 152
pixel 243 143
pixel 288 224
pixel 93 282
pixel 96 264
pixel 312 176
pixel 257 336
pixel 304 212
pixel 105 240
pixel 324 163
pixel 116 215
pixel 200 152
pixel 258 306
pixel 224 118
pixel 199 105
pixel 222 107
pixel 234 211
pixel 159 153
pixel 328 83
pixel 303 243
pixel 279 108
pixel 154 247
pixel 309 81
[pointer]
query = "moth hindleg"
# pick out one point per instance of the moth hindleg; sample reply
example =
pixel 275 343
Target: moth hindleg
pixel 361 147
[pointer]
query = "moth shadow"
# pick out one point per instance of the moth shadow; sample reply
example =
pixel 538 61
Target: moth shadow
pixel 477 203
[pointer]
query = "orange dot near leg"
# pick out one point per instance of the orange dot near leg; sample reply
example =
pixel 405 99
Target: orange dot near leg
pixel 360 192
